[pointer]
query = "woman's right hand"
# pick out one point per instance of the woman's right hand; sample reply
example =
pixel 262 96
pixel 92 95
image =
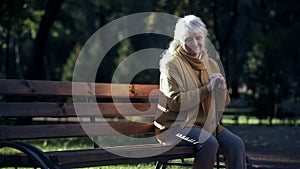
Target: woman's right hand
pixel 213 79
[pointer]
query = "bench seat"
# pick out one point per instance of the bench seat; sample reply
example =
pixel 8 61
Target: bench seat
pixel 103 157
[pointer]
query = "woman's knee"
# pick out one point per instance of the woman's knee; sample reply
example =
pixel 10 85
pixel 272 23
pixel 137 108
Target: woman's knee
pixel 236 148
pixel 238 145
pixel 211 144
pixel 231 142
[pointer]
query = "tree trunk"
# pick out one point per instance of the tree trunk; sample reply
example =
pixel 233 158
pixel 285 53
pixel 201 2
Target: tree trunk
pixel 224 40
pixel 35 68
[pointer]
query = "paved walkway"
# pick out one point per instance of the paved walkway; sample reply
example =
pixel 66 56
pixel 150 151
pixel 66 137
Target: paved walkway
pixel 271 147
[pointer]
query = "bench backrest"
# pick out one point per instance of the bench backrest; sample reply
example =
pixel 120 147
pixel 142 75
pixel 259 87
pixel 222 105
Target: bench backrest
pixel 49 103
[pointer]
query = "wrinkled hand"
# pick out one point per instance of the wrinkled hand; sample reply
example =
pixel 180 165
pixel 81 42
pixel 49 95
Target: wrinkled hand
pixel 213 79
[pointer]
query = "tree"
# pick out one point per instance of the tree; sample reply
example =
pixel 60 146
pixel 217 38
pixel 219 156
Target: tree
pixel 36 67
pixel 272 68
pixel 17 22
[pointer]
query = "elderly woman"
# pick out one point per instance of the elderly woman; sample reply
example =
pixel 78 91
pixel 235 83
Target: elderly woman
pixel 193 93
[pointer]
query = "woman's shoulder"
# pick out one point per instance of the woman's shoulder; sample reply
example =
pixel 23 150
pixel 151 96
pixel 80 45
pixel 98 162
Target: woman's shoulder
pixel 210 60
pixel 214 66
pixel 169 60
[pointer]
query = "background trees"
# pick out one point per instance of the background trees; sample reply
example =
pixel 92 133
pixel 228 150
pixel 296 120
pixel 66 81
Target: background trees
pixel 257 41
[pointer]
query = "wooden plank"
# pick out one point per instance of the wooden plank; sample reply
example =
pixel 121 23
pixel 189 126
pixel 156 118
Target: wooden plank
pixel 45 109
pixel 34 87
pixel 105 157
pixel 29 109
pixel 100 157
pixel 73 130
pixel 126 90
pixel 57 88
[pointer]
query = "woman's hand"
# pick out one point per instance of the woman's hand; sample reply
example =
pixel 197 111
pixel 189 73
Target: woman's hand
pixel 213 79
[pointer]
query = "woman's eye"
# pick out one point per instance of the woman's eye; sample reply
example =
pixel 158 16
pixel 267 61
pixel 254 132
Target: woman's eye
pixel 198 38
pixel 189 39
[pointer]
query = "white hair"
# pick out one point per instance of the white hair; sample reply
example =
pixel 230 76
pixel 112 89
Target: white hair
pixel 185 27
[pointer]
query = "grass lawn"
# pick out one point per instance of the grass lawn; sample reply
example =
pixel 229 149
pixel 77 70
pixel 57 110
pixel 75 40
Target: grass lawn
pixel 246 120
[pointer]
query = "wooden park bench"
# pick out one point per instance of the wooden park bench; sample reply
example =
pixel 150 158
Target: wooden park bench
pixel 47 105
pixel 43 110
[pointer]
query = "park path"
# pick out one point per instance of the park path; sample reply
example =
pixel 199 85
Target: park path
pixel 271 147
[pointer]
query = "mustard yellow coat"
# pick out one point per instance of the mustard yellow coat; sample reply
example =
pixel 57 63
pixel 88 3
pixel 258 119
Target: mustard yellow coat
pixel 184 98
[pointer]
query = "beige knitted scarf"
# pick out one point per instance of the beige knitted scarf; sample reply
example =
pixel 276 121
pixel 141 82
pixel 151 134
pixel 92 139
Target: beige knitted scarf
pixel 195 63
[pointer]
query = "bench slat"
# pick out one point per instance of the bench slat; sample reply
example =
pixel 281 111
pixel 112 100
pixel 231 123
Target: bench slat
pixel 104 157
pixel 56 88
pixel 44 109
pixel 74 130
pixel 100 157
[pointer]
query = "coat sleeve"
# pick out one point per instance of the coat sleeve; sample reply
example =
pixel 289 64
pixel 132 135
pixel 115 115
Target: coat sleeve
pixel 216 69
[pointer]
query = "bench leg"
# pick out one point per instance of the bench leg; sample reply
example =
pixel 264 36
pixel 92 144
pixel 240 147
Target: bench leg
pixel 32 152
pixel 41 155
pixel 248 162
pixel 161 165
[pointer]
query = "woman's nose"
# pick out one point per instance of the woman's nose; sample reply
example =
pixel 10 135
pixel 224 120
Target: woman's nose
pixel 193 41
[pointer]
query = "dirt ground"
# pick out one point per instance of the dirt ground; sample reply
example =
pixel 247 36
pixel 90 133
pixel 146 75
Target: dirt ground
pixel 271 147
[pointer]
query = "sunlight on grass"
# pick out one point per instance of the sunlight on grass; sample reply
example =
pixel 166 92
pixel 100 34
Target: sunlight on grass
pixel 245 120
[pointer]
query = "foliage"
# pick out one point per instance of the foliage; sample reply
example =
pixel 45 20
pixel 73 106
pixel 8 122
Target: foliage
pixel 19 22
pixel 67 72
pixel 257 41
pixel 272 67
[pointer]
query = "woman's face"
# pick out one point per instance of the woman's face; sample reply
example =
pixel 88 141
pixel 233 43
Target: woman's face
pixel 193 45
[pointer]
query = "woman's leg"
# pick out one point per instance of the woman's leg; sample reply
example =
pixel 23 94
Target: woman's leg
pixel 233 149
pixel 205 152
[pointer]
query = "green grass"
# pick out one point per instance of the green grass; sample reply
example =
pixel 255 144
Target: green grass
pixel 245 120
